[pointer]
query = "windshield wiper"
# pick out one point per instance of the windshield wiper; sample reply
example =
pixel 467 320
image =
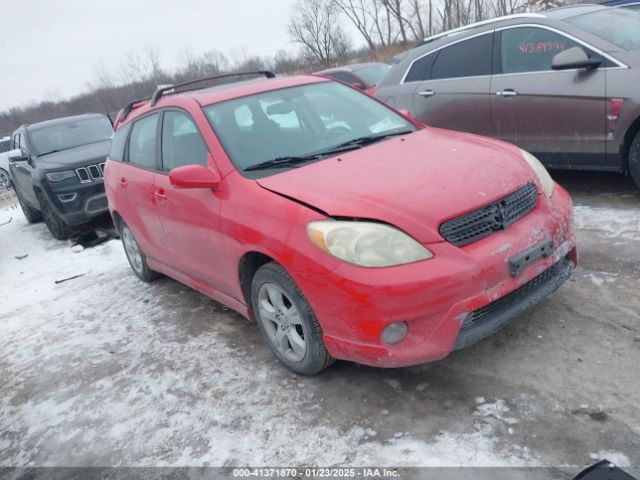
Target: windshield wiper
pixel 293 161
pixel 366 140
pixel 282 162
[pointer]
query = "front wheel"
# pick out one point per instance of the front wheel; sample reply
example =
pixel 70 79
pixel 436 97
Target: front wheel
pixel 137 259
pixel 5 181
pixel 32 215
pixel 58 229
pixel 287 322
pixel 634 160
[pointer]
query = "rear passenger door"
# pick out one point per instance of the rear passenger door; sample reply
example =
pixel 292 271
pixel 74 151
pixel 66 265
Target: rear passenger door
pixel 134 186
pixel 190 217
pixel 452 85
pixel 558 115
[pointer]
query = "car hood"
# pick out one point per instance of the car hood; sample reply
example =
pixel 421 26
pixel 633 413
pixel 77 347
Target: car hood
pixel 414 182
pixel 75 157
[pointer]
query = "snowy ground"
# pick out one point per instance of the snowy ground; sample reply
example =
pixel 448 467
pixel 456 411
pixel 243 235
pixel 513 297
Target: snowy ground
pixel 105 370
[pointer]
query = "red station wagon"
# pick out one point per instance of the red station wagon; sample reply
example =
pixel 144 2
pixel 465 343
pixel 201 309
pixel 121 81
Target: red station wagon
pixel 343 228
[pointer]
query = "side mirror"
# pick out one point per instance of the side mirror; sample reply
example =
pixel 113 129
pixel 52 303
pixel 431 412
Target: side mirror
pixel 16 155
pixel 194 176
pixel 358 85
pixel 406 113
pixel 572 58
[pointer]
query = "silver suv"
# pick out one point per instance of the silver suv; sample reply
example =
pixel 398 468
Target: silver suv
pixel 563 84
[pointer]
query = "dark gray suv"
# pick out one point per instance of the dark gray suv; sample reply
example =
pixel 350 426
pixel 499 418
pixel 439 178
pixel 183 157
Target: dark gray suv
pixel 563 84
pixel 57 170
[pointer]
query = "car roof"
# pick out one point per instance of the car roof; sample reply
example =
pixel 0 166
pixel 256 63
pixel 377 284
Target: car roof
pixel 222 93
pixel 63 120
pixel 351 67
pixel 569 11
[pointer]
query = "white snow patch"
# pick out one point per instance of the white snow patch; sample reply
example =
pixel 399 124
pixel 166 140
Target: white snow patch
pixel 610 222
pixel 496 409
pixel 600 278
pixel 617 458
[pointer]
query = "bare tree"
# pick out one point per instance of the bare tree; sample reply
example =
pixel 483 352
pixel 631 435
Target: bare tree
pixel 315 25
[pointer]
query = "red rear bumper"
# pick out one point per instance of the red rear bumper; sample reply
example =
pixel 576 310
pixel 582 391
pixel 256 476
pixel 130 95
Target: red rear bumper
pixel 436 296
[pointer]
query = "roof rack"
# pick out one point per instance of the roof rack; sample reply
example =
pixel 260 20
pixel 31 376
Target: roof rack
pixel 162 90
pixel 479 24
pixel 126 110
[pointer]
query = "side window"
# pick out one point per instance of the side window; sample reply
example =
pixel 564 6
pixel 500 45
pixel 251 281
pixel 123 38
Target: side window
pixel 182 143
pixel 531 49
pixel 119 142
pixel 142 143
pixel 421 69
pixel 464 59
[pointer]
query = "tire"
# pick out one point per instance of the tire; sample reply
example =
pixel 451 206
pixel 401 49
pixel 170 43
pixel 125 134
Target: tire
pixel 634 160
pixel 137 259
pixel 58 229
pixel 286 321
pixel 32 215
pixel 5 181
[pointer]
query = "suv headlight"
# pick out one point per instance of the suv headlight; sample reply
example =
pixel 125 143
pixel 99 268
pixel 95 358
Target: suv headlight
pixel 545 179
pixel 60 176
pixel 366 244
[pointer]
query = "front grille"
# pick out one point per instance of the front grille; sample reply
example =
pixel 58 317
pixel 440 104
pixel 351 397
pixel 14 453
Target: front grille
pixel 491 218
pixel 91 173
pixel 495 308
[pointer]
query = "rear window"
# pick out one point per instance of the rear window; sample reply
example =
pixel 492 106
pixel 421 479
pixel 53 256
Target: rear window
pixel 620 26
pixel 373 73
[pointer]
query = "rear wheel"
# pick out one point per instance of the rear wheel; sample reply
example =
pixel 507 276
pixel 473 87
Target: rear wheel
pixel 634 160
pixel 287 322
pixel 136 257
pixel 55 224
pixel 32 215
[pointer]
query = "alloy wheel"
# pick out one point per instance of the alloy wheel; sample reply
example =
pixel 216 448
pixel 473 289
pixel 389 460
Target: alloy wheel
pixel 132 249
pixel 282 322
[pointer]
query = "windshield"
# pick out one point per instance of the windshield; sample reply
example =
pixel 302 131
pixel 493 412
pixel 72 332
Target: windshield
pixel 620 26
pixel 373 73
pixel 298 122
pixel 71 134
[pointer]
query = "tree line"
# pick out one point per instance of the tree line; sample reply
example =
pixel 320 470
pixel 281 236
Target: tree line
pixel 317 27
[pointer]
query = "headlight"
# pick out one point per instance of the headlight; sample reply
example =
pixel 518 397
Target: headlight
pixel 545 179
pixel 60 176
pixel 366 244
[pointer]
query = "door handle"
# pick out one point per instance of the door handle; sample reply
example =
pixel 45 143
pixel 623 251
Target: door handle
pixel 508 92
pixel 427 93
pixel 123 182
pixel 160 194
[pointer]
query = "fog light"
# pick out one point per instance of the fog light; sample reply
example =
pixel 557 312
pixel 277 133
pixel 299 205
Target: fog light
pixel 395 333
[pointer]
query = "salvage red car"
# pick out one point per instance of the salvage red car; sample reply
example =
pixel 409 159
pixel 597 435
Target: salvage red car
pixel 343 228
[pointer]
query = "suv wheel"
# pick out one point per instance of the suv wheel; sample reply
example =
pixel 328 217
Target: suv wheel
pixel 287 322
pixel 55 224
pixel 634 160
pixel 5 181
pixel 32 215
pixel 136 257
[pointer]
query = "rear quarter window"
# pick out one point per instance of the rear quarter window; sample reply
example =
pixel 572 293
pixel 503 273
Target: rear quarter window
pixel 119 142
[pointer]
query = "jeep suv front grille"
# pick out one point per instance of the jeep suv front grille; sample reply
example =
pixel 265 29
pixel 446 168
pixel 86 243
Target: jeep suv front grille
pixel 91 173
pixel 491 218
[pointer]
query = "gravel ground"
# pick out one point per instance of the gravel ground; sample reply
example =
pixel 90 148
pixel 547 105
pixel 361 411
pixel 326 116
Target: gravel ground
pixel 105 370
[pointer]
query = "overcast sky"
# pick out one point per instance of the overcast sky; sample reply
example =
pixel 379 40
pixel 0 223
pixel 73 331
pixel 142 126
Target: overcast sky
pixel 50 47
